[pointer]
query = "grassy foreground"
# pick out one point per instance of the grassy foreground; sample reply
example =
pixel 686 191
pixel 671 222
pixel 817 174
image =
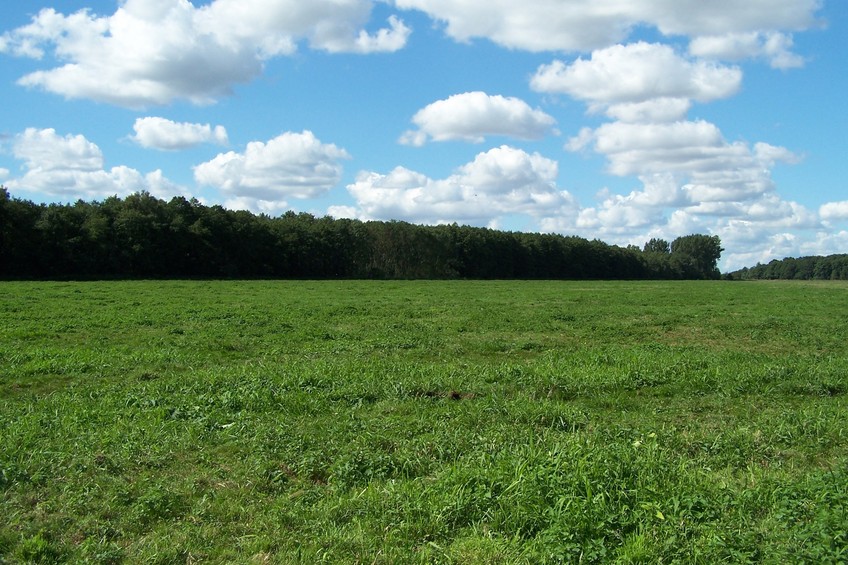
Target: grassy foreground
pixel 418 422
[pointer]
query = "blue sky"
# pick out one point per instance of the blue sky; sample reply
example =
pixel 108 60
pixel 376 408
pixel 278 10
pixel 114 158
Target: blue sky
pixel 619 120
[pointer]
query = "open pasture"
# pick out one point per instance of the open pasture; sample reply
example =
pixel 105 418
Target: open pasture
pixel 423 421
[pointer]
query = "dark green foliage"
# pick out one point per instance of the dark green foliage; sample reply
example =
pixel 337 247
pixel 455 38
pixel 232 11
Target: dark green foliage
pixel 697 255
pixel 831 267
pixel 656 245
pixel 141 236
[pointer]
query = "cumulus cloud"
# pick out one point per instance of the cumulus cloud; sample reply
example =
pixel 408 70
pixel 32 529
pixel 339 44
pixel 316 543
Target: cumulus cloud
pixel 342 40
pixel 166 135
pixel 826 243
pixel 73 167
pixel 650 111
pixel 292 165
pixel 257 205
pixel 45 150
pixel 626 219
pixel 341 211
pixel 146 53
pixel 501 181
pixel 474 115
pixel 788 230
pixel 584 25
pixel 277 25
pixel 775 212
pixel 692 180
pixel 749 230
pixel 709 167
pixel 534 26
pixel 834 210
pixel 775 47
pixel 639 81
pixel 151 52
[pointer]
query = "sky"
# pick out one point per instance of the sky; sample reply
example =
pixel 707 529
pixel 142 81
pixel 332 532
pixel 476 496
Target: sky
pixel 618 120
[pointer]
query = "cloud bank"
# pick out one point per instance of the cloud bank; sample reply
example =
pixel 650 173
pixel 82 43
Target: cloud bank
pixel 71 167
pixel 586 25
pixel 153 52
pixel 498 182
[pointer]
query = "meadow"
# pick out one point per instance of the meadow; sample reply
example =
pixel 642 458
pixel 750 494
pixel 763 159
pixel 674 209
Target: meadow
pixel 423 422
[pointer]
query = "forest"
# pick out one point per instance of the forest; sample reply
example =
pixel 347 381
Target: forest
pixel 831 267
pixel 141 236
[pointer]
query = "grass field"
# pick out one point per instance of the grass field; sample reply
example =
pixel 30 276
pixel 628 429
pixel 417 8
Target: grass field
pixel 419 422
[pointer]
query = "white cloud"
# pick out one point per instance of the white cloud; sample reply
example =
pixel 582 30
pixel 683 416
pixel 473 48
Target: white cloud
pixel 770 155
pixel 535 26
pixel 45 150
pixel 696 18
pixel 650 111
pixel 583 25
pixel 474 115
pixel 761 249
pixel 581 141
pixel 277 25
pixel 772 211
pixel 826 243
pixel 388 39
pixel 752 231
pixel 349 212
pixel 152 52
pixel 257 205
pixel 501 181
pixel 146 53
pixel 750 241
pixel 292 165
pixel 834 210
pixel 643 148
pixel 72 167
pixel 627 77
pixel 772 46
pixel 161 187
pixel 693 181
pixel 166 135
pixel 709 167
pixel 619 218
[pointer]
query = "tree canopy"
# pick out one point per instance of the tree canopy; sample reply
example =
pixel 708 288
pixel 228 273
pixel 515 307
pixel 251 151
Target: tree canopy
pixel 656 245
pixel 701 251
pixel 141 236
pixel 830 267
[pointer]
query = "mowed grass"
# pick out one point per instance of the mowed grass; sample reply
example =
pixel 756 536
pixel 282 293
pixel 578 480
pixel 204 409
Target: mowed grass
pixel 423 422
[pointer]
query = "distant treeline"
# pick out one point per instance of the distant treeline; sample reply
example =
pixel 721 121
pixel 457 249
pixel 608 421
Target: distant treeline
pixel 832 267
pixel 141 236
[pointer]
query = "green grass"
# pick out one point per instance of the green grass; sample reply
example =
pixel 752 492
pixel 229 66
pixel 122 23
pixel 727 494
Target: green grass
pixel 423 422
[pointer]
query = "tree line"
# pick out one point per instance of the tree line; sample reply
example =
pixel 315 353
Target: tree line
pixel 141 236
pixel 831 267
